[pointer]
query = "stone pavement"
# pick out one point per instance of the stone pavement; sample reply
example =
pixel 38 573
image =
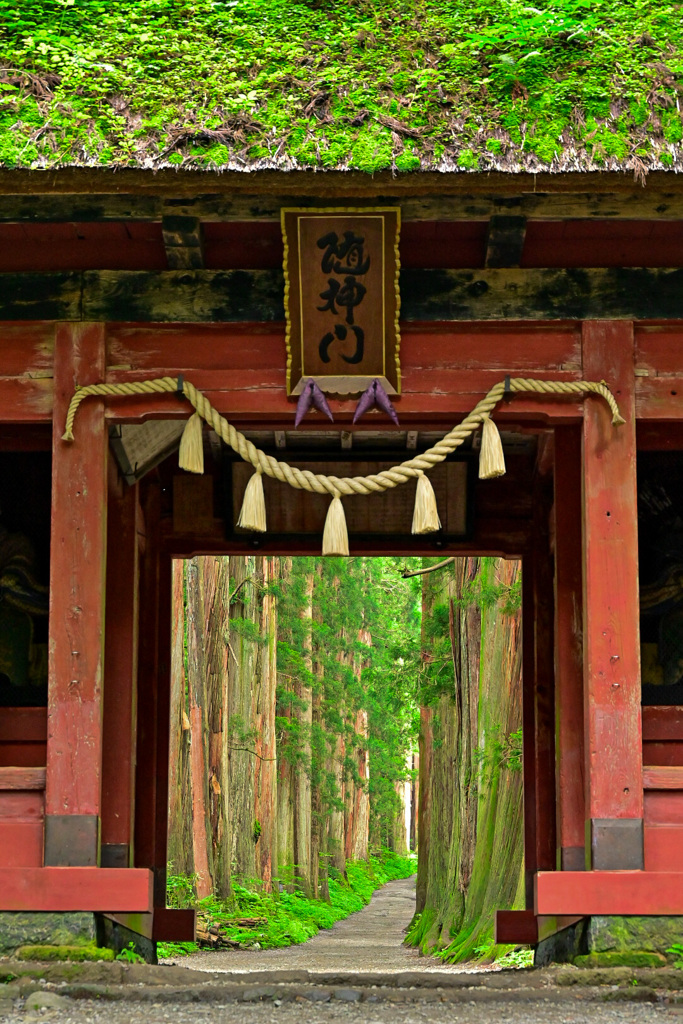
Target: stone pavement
pixel 356 973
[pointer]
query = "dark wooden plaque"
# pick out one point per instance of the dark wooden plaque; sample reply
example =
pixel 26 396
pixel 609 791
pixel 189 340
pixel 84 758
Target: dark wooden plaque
pixel 342 298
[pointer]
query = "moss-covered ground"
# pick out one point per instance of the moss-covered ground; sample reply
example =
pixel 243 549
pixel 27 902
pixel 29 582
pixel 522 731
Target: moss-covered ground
pixel 286 918
pixel 365 84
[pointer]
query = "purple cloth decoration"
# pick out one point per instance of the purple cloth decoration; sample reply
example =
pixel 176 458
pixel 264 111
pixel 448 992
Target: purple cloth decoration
pixel 375 394
pixel 320 402
pixel 383 401
pixel 311 395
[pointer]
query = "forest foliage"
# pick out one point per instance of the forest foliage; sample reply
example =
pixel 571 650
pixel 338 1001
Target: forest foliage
pixel 328 715
pixel 365 84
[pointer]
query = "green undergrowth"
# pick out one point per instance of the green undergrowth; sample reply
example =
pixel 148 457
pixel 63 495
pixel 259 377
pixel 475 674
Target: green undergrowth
pixel 288 918
pixel 365 84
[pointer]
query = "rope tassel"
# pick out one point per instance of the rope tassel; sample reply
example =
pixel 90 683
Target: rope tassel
pixel 426 515
pixel 191 454
pixel 253 514
pixel 335 536
pixel 491 458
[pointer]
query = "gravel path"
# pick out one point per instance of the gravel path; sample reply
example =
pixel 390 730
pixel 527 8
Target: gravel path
pixel 77 1012
pixel 370 940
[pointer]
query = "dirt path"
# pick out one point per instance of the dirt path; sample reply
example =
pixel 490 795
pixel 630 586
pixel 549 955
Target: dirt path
pixel 370 940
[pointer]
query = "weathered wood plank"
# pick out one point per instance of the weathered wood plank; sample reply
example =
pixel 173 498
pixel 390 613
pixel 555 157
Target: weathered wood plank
pixel 662 777
pixel 609 892
pixel 659 398
pixel 22 778
pixel 182 296
pixel 183 241
pixel 642 204
pixel 488 294
pixel 611 609
pixel 77 586
pixel 505 242
pixel 26 399
pixel 41 296
pixel 57 889
pixel 537 294
pixel 196 296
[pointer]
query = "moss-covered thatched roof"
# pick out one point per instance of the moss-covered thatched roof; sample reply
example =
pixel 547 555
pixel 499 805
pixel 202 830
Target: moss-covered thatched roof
pixel 403 85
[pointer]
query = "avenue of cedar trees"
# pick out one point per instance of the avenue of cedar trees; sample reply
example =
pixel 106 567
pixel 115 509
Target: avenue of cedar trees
pixel 325 710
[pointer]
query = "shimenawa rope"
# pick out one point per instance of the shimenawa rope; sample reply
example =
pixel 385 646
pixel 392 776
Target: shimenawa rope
pixel 320 483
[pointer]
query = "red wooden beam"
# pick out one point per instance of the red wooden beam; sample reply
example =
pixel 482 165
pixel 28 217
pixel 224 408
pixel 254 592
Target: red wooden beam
pixel 148 677
pixel 120 674
pixel 662 777
pixel 524 927
pixel 56 889
pixel 611 609
pixel 662 723
pixel 24 725
pixel 77 585
pixel 609 892
pixel 569 650
pixel 163 924
pixel 22 778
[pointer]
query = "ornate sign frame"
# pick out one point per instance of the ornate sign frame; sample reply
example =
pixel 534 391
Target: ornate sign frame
pixel 348 258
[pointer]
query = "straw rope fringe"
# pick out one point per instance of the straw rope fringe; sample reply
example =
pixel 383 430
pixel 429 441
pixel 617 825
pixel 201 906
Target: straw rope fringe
pixel 318 483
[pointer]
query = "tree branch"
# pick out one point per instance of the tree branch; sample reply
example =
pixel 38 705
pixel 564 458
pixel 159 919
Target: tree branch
pixel 249 751
pixel 432 568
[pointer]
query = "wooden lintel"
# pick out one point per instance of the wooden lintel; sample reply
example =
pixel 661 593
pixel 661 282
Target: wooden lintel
pixel 202 296
pixel 505 241
pixel 57 889
pixel 640 204
pixel 583 893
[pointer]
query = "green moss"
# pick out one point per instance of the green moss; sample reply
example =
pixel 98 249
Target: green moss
pixel 74 953
pixel 209 83
pixel 629 958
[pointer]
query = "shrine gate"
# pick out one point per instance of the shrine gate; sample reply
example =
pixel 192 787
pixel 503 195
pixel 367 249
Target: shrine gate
pixel 128 276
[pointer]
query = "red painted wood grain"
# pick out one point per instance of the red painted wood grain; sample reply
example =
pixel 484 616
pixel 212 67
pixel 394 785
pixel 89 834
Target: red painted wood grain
pixel 662 723
pixel 570 764
pixel 77 581
pixel 662 777
pixel 120 665
pixel 56 889
pixel 13 777
pixel 663 807
pixel 21 844
pixel 611 609
pixel 663 845
pixel 609 892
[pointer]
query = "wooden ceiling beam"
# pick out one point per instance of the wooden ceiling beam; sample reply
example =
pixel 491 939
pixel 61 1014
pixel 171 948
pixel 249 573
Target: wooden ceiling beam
pixel 59 208
pixel 242 296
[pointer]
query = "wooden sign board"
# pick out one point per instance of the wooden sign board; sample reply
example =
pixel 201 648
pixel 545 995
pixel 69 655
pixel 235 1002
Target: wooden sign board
pixel 386 514
pixel 342 298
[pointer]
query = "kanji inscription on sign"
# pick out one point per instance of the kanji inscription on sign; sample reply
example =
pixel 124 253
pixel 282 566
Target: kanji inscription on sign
pixel 342 298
